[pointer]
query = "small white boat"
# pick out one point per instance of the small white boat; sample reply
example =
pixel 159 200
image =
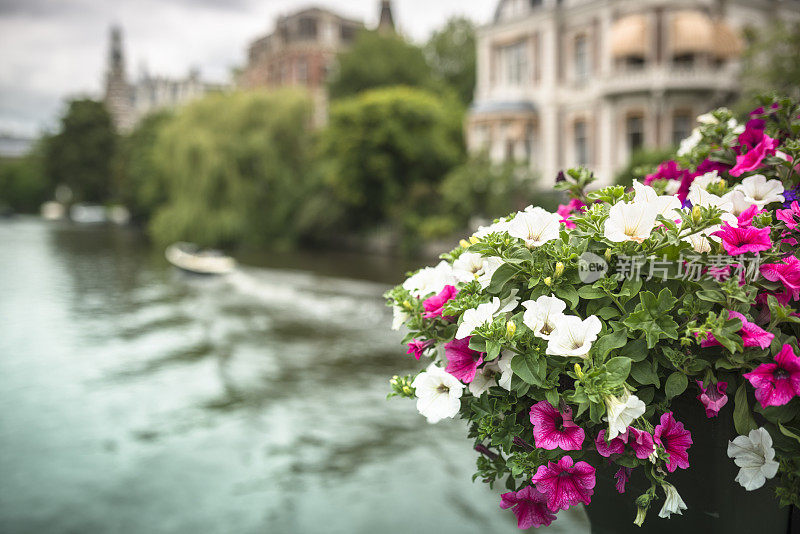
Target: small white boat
pixel 190 258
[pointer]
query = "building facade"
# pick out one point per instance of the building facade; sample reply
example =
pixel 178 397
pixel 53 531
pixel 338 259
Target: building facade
pixel 588 82
pixel 129 102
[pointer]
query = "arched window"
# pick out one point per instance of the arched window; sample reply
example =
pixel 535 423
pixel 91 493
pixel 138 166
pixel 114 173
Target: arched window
pixel 581 143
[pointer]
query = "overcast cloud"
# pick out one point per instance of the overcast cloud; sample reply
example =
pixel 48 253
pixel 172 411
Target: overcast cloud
pixel 50 49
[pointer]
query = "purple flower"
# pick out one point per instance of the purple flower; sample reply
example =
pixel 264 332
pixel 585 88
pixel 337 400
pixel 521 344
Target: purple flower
pixel 790 195
pixel 790 216
pixel 565 485
pixel 622 475
pixel 746 217
pixel 607 448
pixel 752 334
pixel 742 240
pixel 553 429
pixel 462 361
pixel 752 159
pixel 777 383
pixel 435 305
pixel 641 442
pixel 675 439
pixel 417 347
pixel 713 397
pixel 753 133
pixel 787 272
pixel 530 507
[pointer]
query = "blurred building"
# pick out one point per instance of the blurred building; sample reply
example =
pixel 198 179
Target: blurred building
pixel 588 82
pixel 129 102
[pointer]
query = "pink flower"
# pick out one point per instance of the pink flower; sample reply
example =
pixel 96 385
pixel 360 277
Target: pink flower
pixel 675 439
pixel 787 272
pixel 553 429
pixel 416 347
pixel 435 304
pixel 742 240
pixel 746 217
pixel 530 507
pixel 564 484
pixel 790 216
pixel 688 177
pixel 607 448
pixel 462 361
pixel 752 334
pixel 713 397
pixel 641 442
pixel 622 475
pixel 777 383
pixel 565 210
pixel 753 133
pixel 751 160
pixel 668 170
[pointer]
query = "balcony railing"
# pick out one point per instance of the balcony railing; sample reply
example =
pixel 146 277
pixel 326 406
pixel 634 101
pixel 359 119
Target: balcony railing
pixel 671 77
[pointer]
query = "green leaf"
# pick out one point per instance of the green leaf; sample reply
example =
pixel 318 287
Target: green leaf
pixel 742 418
pixel 477 343
pixel 644 373
pixel 569 294
pixel 607 313
pixel 675 384
pixel 530 368
pixel 788 433
pixel 651 317
pixel 617 370
pixel 503 274
pixel 610 341
pixel 591 293
pixel 636 350
pixel 552 396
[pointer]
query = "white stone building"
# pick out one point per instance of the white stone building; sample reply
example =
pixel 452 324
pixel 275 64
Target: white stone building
pixel 587 82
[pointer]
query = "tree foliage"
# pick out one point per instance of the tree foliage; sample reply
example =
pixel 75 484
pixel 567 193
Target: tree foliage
pixel 23 185
pixel 772 60
pixel 451 54
pixel 80 155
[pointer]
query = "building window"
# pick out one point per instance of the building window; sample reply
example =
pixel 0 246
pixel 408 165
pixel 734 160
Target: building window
pixel 581 59
pixel 635 133
pixel 581 144
pixel 347 34
pixel 515 59
pixel 302 71
pixel 683 61
pixel 307 28
pixel 681 127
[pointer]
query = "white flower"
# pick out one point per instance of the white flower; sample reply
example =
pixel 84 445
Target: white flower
pixel 738 201
pixel 665 205
pixel 472 266
pixel 760 191
pixel 542 315
pixel 500 226
pixel 504 365
pixel 485 314
pixel 438 393
pixel 621 412
pixel 430 280
pixel 707 118
pixel 399 316
pixel 573 337
pixel 755 457
pixel 485 378
pixel 672 187
pixel 630 222
pixel 673 504
pixel 701 197
pixel 699 242
pixel 535 226
pixel 704 181
pixel 688 144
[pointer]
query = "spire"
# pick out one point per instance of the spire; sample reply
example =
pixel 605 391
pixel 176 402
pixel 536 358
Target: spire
pixel 118 95
pixel 386 22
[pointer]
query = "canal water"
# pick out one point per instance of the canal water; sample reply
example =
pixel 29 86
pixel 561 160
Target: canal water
pixel 134 399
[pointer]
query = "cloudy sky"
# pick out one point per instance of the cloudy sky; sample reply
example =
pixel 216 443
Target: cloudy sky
pixel 50 49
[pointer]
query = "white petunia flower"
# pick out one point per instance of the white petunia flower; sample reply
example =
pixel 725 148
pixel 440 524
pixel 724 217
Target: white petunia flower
pixel 500 226
pixel 630 222
pixel 471 266
pixel 738 201
pixel 688 144
pixel 438 393
pixel 399 316
pixel 704 181
pixel 673 504
pixel 707 118
pixel 504 365
pixel 672 187
pixel 485 314
pixel 573 337
pixel 485 378
pixel 760 191
pixel 542 315
pixel 490 265
pixel 621 412
pixel 699 242
pixel 535 226
pixel 430 280
pixel 701 197
pixel 665 205
pixel 755 457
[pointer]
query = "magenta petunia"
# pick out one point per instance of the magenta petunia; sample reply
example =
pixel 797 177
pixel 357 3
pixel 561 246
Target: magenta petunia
pixel 790 216
pixel 622 475
pixel 530 507
pixel 675 439
pixel 788 273
pixel 565 484
pixel 607 448
pixel 752 159
pixel 667 170
pixel 555 430
pixel 713 397
pixel 752 334
pixel 743 240
pixel 462 361
pixel 566 210
pixel 746 217
pixel 753 133
pixel 777 383
pixel 688 177
pixel 434 306
pixel 417 347
pixel 641 442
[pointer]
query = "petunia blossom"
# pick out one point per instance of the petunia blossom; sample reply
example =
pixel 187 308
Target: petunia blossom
pixel 542 315
pixel 565 484
pixel 485 378
pixel 751 160
pixel 607 448
pixel 755 457
pixel 743 240
pixel 573 337
pixel 760 191
pixel 753 133
pixel 752 334
pixel 745 218
pixel 430 280
pixel 535 226
pixel 630 221
pixel 438 393
pixel 471 266
pixel 553 429
pixel 566 210
pixel 434 306
pixel 462 361
pixel 673 504
pixel 485 313
pixel 621 412
pixel 777 383
pixel 530 507
pixel 675 440
pixel 417 347
pixel 641 442
pixel 788 273
pixel 791 216
pixel 666 205
pixel 713 397
pixel 622 475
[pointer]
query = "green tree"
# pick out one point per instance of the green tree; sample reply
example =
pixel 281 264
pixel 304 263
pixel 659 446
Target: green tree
pixel 237 170
pixel 377 60
pixel 23 185
pixel 772 61
pixel 80 155
pixel 451 54
pixel 387 150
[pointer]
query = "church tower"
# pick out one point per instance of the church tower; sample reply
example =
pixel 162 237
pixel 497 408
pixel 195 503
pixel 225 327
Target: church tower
pixel 386 21
pixel 118 93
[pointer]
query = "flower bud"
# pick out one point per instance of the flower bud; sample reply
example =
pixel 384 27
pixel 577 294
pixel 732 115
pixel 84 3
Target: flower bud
pixel 511 329
pixel 559 269
pixel 696 215
pixel 406 304
pixel 578 371
pixel 464 243
pixel 608 254
pixel 473 239
pixel 407 390
pixel 548 281
pixel 641 513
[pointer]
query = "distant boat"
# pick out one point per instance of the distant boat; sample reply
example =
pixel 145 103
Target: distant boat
pixel 192 259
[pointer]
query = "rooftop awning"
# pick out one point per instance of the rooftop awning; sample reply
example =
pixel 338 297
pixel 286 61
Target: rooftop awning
pixel 692 32
pixel 629 36
pixel 728 42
